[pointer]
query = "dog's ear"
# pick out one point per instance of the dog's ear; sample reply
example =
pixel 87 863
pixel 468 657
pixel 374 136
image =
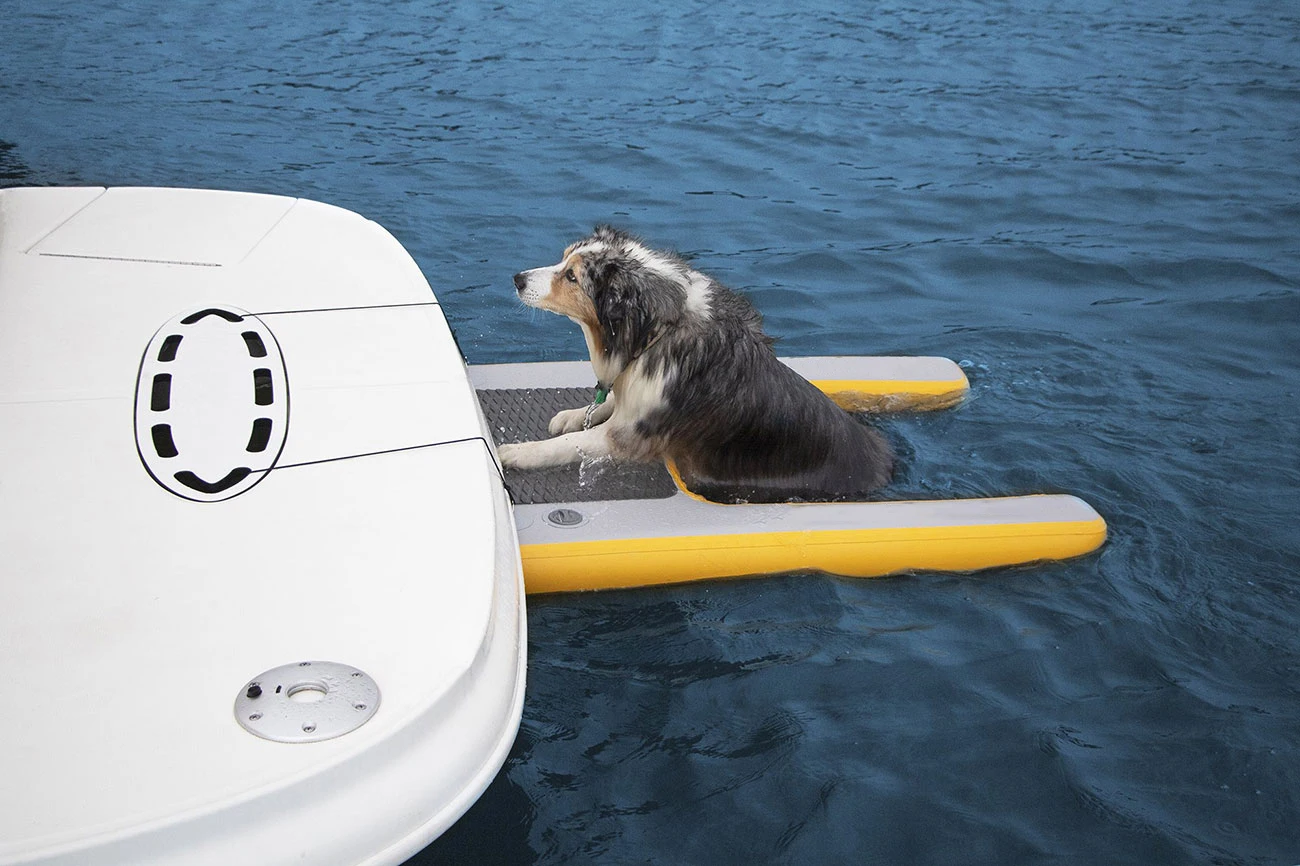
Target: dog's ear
pixel 614 295
pixel 632 306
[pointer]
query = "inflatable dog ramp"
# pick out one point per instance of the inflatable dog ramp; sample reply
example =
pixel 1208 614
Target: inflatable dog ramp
pixel 606 526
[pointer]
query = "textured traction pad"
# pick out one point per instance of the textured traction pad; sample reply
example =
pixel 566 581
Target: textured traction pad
pixel 521 415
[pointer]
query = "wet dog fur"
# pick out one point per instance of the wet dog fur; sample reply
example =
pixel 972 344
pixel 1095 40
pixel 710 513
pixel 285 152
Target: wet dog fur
pixel 693 381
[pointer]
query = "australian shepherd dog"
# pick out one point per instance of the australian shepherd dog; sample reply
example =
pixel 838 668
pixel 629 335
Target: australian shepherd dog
pixel 692 380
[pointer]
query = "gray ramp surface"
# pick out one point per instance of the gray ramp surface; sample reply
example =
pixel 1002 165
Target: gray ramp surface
pixel 521 415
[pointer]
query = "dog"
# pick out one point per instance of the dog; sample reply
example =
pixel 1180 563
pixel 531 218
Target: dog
pixel 692 380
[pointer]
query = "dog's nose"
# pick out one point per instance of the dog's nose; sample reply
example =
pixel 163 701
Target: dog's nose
pixel 521 282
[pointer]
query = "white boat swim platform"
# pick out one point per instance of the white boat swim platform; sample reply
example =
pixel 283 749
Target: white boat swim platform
pixel 609 526
pixel 261 598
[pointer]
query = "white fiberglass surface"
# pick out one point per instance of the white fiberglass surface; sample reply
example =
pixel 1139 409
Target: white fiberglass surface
pixel 133 612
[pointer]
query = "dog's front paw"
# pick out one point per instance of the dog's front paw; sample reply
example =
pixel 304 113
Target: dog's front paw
pixel 510 455
pixel 521 455
pixel 568 421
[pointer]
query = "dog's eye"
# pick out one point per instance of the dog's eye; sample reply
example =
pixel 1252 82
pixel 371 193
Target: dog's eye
pixel 570 276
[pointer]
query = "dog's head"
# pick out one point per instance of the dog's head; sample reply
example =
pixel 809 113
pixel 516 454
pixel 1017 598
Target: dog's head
pixel 623 294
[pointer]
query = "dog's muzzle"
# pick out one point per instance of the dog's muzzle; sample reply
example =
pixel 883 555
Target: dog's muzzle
pixel 521 283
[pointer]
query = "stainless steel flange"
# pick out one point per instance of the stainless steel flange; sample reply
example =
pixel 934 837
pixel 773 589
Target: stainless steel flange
pixel 306 702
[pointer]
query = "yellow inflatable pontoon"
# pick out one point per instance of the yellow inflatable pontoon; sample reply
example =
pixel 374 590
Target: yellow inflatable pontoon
pixel 607 527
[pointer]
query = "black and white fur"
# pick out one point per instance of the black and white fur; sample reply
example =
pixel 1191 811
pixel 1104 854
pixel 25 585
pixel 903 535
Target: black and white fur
pixel 694 381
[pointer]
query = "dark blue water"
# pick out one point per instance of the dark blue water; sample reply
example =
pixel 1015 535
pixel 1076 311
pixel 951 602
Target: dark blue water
pixel 1094 206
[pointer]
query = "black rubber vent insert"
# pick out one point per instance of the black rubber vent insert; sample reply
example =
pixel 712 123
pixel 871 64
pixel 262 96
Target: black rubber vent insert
pixel 256 348
pixel 163 443
pixel 521 415
pixel 160 399
pixel 212 311
pixel 261 435
pixel 194 482
pixel 167 351
pixel 263 391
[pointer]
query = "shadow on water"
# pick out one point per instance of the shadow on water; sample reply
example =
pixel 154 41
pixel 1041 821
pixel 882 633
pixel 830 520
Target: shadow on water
pixel 12 170
pixel 495 830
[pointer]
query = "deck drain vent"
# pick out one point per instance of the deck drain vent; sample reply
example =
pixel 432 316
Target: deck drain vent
pixel 306 702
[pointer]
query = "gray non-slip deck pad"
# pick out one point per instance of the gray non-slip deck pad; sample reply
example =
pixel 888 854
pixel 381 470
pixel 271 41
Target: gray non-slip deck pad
pixel 521 415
